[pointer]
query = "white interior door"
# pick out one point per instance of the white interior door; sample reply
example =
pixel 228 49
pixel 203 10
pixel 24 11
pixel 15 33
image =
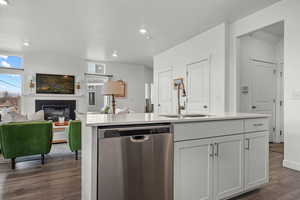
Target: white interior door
pixel 198 87
pixel 263 91
pixel 165 91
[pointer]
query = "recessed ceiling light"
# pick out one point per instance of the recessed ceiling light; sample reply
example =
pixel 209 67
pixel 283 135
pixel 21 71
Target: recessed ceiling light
pixel 26 44
pixel 3 2
pixel 143 31
pixel 148 37
pixel 114 54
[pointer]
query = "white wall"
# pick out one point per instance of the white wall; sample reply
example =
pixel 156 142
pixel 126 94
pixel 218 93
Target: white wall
pixel 135 77
pixel 53 64
pixel 287 10
pixel 211 43
pixel 148 73
pixel 280 51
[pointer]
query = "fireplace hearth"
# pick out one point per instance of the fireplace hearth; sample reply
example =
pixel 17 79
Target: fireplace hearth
pixel 57 108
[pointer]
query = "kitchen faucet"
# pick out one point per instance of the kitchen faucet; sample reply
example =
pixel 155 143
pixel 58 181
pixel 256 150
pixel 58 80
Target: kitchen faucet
pixel 179 85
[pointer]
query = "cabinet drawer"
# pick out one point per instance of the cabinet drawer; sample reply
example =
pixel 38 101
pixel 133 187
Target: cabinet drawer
pixel 253 125
pixel 198 130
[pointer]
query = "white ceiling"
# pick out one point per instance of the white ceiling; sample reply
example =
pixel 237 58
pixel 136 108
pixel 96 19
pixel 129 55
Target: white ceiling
pixel 92 29
pixel 272 34
pixel 276 29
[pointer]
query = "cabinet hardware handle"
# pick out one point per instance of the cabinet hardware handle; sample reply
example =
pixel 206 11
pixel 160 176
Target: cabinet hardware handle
pixel 217 149
pixel 253 107
pixel 205 106
pixel 212 150
pixel 260 124
pixel 248 143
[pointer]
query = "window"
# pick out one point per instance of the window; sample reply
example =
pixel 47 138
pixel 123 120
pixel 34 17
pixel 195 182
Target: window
pixel 10 92
pixel 10 82
pixel 11 62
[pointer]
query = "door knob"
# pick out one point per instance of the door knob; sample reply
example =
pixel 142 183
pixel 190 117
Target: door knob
pixel 205 106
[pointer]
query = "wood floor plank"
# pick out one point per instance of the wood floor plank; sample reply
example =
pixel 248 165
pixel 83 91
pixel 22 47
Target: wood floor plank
pixel 284 183
pixel 59 179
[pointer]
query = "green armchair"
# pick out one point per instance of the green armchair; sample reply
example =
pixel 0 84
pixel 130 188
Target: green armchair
pixel 25 138
pixel 74 135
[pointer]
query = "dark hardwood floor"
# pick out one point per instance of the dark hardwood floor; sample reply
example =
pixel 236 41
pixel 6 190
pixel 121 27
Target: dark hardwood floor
pixel 59 179
pixel 284 183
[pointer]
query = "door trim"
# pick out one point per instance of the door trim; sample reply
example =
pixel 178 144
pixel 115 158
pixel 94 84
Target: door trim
pixel 262 61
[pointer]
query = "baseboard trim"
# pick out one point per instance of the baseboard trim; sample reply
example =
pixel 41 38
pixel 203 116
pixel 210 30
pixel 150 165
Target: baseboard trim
pixel 291 164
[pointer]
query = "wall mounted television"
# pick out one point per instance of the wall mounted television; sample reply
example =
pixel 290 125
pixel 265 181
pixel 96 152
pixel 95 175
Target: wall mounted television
pixel 55 84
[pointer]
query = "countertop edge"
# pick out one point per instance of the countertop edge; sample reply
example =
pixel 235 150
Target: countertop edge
pixel 178 121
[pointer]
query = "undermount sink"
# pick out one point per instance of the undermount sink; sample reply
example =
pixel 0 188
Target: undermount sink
pixel 184 115
pixel 171 116
pixel 195 115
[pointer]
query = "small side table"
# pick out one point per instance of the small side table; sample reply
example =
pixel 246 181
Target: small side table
pixel 59 128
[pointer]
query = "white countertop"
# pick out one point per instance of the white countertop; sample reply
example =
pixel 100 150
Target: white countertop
pixel 97 119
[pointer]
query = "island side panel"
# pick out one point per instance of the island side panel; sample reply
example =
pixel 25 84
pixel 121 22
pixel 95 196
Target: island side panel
pixel 89 163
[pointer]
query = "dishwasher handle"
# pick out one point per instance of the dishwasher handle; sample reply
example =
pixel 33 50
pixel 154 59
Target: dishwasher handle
pixel 139 138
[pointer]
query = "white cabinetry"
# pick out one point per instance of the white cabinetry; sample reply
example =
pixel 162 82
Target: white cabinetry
pixel 193 170
pixel 229 166
pixel 220 166
pixel 208 167
pixel 256 159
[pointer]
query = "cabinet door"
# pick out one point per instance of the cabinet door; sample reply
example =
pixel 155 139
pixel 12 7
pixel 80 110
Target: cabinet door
pixel 228 166
pixel 198 87
pixel 256 159
pixel 193 170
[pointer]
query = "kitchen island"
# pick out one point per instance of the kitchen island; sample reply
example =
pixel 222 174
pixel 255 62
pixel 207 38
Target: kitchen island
pixel 218 156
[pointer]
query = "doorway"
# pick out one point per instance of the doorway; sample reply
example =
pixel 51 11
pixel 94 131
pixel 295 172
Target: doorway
pixel 164 91
pixel 261 76
pixel 96 100
pixel 198 86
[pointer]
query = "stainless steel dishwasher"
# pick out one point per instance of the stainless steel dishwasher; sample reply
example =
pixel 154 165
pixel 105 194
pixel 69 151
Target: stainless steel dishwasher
pixel 135 162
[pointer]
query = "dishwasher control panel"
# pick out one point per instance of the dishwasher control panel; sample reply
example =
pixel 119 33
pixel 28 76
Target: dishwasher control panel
pixel 131 130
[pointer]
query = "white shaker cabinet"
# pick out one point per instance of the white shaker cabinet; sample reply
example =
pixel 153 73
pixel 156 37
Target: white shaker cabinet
pixel 256 159
pixel 229 163
pixel 193 170
pixel 209 168
pixel 228 166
